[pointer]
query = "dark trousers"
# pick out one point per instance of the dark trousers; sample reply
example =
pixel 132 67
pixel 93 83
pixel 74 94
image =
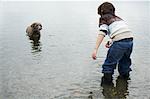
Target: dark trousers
pixel 119 54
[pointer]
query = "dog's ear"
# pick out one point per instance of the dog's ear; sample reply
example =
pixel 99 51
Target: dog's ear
pixel 33 25
pixel 40 25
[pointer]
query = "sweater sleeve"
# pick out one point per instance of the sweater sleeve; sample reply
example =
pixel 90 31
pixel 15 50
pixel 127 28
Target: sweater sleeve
pixel 103 29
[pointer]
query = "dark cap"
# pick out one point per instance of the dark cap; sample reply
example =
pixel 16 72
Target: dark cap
pixel 106 8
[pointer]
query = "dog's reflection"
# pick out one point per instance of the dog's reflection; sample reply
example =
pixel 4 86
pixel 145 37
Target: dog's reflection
pixel 120 91
pixel 36 46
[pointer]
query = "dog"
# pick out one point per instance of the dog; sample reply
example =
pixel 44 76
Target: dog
pixel 33 31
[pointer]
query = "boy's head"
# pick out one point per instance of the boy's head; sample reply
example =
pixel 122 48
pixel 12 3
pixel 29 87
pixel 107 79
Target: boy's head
pixel 106 8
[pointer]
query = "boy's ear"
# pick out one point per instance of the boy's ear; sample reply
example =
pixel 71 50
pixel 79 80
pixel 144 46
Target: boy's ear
pixel 102 21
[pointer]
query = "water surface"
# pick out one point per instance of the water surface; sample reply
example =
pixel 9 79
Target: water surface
pixel 60 65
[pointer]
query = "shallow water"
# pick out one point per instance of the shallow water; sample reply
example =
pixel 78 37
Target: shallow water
pixel 60 65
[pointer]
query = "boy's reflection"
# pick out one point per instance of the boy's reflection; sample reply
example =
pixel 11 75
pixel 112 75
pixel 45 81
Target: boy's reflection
pixel 118 91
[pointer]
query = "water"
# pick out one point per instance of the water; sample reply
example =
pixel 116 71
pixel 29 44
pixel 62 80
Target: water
pixel 60 65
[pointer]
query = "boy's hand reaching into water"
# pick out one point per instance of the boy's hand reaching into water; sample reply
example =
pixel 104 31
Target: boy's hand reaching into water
pixel 94 54
pixel 98 42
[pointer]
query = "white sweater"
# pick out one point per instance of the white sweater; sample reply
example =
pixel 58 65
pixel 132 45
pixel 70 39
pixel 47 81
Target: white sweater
pixel 117 30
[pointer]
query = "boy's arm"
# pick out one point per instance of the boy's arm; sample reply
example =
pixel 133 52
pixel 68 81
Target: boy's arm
pixel 98 42
pixel 103 31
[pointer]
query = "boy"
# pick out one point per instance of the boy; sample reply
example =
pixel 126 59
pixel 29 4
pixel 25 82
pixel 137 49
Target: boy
pixel 120 50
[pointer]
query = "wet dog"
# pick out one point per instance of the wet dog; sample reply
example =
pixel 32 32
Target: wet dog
pixel 33 31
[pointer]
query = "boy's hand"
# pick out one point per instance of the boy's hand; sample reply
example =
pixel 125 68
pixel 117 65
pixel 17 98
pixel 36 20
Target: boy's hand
pixel 94 54
pixel 108 44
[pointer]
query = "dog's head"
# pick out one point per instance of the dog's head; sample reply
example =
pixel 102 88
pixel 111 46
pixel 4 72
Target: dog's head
pixel 36 26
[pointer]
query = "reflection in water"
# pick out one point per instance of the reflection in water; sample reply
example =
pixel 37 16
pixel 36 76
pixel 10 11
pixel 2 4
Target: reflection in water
pixel 91 95
pixel 36 46
pixel 36 49
pixel 118 91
